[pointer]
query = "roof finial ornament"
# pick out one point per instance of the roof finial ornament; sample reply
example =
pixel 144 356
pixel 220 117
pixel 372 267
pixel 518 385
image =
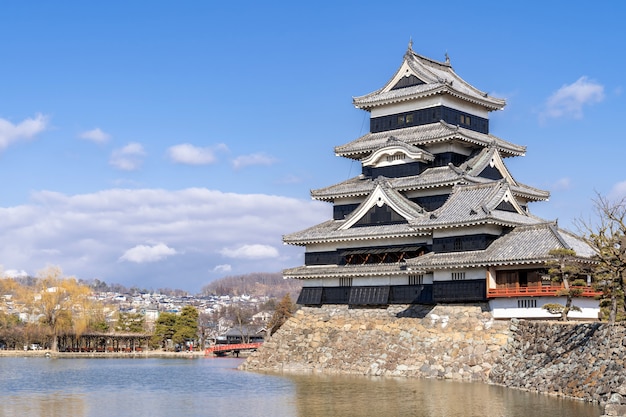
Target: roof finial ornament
pixel 447 58
pixel 410 43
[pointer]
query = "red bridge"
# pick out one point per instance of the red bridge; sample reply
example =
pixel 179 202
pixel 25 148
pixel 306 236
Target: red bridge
pixel 222 349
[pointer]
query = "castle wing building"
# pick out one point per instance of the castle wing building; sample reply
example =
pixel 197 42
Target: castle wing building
pixel 435 215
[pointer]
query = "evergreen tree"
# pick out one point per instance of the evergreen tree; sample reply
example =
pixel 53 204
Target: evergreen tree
pixel 186 328
pixel 130 322
pixel 563 269
pixel 164 329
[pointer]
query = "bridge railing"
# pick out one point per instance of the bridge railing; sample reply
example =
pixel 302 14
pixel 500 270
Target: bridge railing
pixel 231 347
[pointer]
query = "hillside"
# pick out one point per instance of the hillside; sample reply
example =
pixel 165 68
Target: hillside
pixel 271 284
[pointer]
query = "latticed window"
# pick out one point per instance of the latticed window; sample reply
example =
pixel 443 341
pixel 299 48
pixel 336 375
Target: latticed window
pixel 458 276
pixel 527 303
pixel 395 157
pixel 345 282
pixel 416 279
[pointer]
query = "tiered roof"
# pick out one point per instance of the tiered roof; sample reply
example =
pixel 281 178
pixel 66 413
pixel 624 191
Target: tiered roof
pixel 480 192
pixel 435 77
pixel 471 205
pixel 528 244
pixel 424 135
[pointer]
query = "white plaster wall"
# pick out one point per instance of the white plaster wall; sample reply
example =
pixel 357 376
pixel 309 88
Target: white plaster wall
pixel 506 308
pixel 365 281
pixel 316 282
pixel 431 101
pixel 349 200
pixel 474 230
pixel 449 147
pixel 446 275
pixel 428 192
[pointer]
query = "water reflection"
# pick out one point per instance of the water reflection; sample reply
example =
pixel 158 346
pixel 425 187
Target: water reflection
pixel 213 387
pixel 323 396
pixel 43 405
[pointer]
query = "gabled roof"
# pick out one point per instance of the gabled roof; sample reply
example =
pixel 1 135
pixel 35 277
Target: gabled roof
pixel 330 231
pixel 477 204
pixel 395 146
pixel 490 157
pixel 342 230
pixel 359 186
pixel 487 157
pixel 431 178
pixel 424 135
pixel 434 78
pixel 523 245
pixel 384 194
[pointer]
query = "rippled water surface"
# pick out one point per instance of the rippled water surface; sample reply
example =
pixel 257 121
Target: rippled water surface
pixel 214 387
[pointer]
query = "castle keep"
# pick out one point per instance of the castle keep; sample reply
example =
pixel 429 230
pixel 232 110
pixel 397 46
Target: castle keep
pixel 435 215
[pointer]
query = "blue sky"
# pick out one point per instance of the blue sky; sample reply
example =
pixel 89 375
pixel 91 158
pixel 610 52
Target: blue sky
pixel 165 144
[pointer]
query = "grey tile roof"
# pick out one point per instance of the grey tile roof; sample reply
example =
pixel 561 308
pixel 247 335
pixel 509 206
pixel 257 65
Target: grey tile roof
pixel 437 177
pixel 424 135
pixel 482 159
pixel 334 271
pixel 397 200
pixel 467 205
pixel 329 232
pixel 523 245
pixel 473 205
pixel 359 186
pixel 439 78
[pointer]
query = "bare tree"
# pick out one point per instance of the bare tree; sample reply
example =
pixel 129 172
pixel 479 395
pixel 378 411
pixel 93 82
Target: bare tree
pixel 607 236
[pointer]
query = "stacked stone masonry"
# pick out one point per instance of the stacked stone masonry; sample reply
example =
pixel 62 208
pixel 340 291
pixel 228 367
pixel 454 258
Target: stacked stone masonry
pixel 442 342
pixel 584 360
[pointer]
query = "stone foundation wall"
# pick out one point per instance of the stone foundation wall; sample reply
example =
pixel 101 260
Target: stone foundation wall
pixel 454 342
pixel 579 360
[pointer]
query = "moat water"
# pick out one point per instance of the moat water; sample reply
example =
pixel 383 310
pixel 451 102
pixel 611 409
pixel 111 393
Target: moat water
pixel 214 387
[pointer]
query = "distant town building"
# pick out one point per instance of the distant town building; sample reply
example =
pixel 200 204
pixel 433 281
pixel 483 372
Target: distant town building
pixel 435 215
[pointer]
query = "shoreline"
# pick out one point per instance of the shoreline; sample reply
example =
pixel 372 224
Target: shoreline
pixel 130 355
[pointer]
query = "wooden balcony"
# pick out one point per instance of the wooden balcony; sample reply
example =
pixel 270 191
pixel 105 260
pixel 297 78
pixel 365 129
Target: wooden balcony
pixel 536 291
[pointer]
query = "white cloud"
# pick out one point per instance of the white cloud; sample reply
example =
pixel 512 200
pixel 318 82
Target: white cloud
pixel 95 135
pixel 223 268
pixel 253 159
pixel 251 252
pixel 618 191
pixel 143 253
pixel 87 234
pixel 128 158
pixel 14 273
pixel 25 130
pixel 562 184
pixel 568 101
pixel 192 155
pixel 291 179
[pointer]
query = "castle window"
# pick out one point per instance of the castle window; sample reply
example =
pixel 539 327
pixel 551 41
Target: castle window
pixel 409 119
pixel 395 157
pixel 345 282
pixel 527 303
pixel 416 279
pixel 400 120
pixel 465 120
pixel 458 276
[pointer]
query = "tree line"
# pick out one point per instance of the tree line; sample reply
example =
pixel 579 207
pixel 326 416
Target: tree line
pixel 45 308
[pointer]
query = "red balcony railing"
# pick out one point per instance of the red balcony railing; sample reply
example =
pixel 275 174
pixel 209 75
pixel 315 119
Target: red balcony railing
pixel 536 291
